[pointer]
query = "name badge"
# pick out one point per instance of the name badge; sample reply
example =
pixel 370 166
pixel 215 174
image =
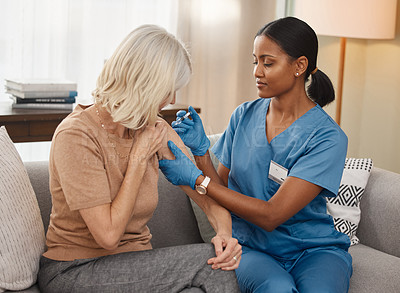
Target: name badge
pixel 277 173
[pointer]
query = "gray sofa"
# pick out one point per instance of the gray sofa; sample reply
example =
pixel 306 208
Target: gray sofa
pixel 376 261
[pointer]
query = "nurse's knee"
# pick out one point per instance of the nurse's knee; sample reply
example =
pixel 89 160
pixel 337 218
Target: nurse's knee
pixel 319 289
pixel 320 286
pixel 271 285
pixel 276 286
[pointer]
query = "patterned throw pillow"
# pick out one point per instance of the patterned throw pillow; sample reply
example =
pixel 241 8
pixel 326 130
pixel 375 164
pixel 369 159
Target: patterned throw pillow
pixel 345 207
pixel 22 237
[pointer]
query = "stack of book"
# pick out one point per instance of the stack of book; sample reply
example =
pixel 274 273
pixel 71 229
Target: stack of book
pixel 42 93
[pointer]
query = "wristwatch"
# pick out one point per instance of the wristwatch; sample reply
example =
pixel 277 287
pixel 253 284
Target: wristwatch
pixel 202 188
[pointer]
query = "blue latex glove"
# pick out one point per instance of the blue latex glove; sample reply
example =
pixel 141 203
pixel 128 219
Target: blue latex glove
pixel 192 132
pixel 180 171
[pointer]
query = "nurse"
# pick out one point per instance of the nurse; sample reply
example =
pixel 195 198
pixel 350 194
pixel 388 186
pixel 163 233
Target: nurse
pixel 280 157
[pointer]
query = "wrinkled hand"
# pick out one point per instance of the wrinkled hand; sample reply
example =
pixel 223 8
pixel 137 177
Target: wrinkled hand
pixel 228 253
pixel 180 171
pixel 147 142
pixel 192 132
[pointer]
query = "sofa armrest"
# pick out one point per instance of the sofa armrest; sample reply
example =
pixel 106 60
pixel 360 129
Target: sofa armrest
pixel 380 215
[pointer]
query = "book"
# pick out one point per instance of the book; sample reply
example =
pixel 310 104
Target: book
pixel 49 106
pixel 41 94
pixel 31 85
pixel 43 100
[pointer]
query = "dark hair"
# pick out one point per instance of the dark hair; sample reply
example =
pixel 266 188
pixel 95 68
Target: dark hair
pixel 297 39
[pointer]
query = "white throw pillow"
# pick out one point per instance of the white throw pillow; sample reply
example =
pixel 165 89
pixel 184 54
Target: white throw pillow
pixel 22 238
pixel 345 207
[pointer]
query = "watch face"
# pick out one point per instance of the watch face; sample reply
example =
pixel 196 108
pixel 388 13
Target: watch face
pixel 201 189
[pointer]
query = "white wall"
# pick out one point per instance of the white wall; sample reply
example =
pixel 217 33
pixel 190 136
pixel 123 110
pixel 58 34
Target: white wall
pixel 71 38
pixel 33 151
pixel 371 95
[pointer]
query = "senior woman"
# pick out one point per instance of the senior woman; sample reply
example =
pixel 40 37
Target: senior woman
pixel 103 180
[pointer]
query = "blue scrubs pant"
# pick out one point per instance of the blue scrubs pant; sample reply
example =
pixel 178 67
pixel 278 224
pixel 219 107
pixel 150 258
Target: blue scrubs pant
pixel 322 270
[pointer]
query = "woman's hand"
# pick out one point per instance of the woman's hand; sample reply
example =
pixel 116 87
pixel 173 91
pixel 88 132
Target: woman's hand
pixel 192 132
pixel 228 253
pixel 147 142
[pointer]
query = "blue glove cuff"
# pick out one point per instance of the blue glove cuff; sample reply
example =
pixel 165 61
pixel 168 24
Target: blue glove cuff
pixel 195 174
pixel 203 148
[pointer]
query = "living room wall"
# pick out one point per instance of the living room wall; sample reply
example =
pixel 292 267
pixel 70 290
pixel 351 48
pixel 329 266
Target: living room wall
pixel 371 95
pixel 223 70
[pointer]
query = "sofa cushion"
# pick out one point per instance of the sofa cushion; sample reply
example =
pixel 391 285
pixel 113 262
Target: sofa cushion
pixel 173 222
pixel 374 271
pixel 379 225
pixel 345 207
pixel 22 236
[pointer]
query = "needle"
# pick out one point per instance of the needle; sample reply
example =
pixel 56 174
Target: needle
pixel 180 119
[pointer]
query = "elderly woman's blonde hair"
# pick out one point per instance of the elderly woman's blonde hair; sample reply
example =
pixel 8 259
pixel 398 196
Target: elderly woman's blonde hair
pixel 145 71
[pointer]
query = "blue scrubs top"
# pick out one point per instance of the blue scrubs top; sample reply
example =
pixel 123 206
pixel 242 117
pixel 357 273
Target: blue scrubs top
pixel 313 148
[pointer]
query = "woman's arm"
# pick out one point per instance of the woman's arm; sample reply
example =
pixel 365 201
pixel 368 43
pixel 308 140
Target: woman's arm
pixel 218 216
pixel 107 222
pixel 205 164
pixel 226 247
pixel 291 197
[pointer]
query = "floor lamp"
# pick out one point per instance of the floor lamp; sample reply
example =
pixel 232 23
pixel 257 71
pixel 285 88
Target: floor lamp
pixel 365 19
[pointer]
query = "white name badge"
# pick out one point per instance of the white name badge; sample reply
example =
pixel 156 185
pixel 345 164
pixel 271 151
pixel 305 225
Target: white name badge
pixel 277 173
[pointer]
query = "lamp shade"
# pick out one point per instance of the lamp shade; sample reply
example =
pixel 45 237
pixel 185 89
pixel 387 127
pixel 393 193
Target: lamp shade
pixel 365 19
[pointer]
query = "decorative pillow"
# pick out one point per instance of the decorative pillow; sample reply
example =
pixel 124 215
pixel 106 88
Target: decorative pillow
pixel 22 239
pixel 345 207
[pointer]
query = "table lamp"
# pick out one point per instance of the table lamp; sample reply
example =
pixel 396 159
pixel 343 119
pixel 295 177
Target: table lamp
pixel 365 19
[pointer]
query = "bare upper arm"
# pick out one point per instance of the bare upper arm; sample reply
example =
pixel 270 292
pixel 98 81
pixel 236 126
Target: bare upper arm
pixel 165 152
